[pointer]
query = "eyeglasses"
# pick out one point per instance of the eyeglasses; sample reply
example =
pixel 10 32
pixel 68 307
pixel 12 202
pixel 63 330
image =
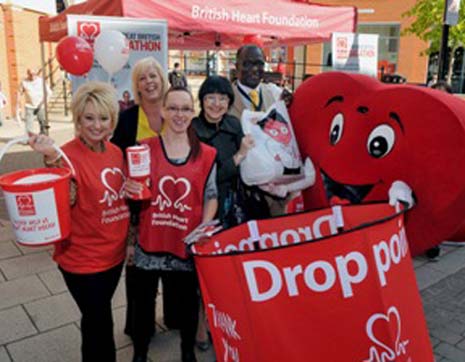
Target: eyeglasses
pixel 212 99
pixel 184 110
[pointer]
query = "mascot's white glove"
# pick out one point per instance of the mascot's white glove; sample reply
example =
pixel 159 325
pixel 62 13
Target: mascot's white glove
pixel 204 230
pixel 282 190
pixel 400 191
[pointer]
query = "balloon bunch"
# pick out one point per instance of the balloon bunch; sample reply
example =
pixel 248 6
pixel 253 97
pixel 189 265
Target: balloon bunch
pixel 76 56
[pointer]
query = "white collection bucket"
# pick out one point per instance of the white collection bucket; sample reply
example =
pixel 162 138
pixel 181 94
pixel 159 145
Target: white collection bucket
pixel 37 201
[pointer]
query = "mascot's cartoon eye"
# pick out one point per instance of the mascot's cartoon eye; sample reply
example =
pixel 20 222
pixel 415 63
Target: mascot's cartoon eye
pixel 380 141
pixel 273 133
pixel 337 126
pixel 284 130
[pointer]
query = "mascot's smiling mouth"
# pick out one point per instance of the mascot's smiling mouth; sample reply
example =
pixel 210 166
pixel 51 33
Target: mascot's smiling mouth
pixel 353 193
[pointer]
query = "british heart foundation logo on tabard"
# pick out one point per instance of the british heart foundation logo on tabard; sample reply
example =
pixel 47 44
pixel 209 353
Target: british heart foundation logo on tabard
pixel 88 30
pixel 26 205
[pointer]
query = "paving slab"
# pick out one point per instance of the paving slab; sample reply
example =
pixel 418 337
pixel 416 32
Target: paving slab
pixel 119 298
pixel 124 354
pixel 4 355
pixel 53 311
pixel 26 265
pixel 58 345
pixel 33 250
pixel 426 276
pixel 451 352
pixel 21 291
pixel 119 319
pixel 8 249
pixel 6 232
pixel 15 324
pixel 53 280
pixel 165 347
pixel 451 262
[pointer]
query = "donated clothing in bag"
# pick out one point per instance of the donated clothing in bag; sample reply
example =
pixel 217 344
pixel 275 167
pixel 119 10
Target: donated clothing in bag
pixel 275 158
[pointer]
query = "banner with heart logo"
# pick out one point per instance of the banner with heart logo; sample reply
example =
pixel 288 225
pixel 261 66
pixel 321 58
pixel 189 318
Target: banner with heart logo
pixel 118 44
pixel 333 285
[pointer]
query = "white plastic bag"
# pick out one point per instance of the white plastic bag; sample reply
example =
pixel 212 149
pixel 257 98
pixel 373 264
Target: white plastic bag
pixel 275 157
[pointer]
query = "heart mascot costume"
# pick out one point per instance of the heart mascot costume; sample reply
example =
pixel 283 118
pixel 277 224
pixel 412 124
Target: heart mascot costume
pixel 363 135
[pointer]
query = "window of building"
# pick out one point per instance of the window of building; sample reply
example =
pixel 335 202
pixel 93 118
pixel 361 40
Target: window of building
pixel 388 45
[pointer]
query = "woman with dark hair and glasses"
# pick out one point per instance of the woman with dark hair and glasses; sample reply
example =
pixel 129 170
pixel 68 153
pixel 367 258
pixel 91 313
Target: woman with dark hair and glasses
pixel 224 132
pixel 184 195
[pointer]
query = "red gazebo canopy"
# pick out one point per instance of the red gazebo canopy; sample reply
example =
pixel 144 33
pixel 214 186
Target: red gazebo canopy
pixel 210 24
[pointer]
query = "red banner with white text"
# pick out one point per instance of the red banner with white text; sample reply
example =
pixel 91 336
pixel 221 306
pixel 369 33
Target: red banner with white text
pixel 333 285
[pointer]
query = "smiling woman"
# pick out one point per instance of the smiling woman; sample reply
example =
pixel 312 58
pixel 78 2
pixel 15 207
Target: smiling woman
pixel 91 259
pixel 135 124
pixel 184 195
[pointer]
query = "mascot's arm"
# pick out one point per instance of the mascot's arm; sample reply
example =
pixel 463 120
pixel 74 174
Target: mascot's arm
pixel 283 190
pixel 401 192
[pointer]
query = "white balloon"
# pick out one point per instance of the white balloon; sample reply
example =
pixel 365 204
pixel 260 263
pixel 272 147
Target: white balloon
pixel 111 49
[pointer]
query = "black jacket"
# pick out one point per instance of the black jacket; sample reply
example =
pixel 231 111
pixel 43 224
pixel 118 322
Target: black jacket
pixel 226 138
pixel 125 132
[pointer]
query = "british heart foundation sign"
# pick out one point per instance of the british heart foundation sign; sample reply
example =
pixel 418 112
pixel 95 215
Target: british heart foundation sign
pixel 334 285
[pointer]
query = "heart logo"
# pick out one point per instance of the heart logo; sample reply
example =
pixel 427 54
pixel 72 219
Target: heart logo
pixel 362 135
pixel 382 351
pixel 179 187
pixel 25 203
pixel 88 30
pixel 113 180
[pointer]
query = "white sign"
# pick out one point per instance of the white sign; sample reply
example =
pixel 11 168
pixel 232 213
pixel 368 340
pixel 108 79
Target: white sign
pixel 146 38
pixel 355 53
pixel 452 12
pixel 34 216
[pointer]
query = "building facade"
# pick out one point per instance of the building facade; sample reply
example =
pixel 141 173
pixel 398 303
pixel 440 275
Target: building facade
pixel 399 54
pixel 19 43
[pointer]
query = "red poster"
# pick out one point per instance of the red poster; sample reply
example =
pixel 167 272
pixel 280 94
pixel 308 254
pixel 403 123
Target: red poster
pixel 333 285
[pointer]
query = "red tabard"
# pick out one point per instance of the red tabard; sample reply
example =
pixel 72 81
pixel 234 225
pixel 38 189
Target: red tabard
pixel 100 217
pixel 177 199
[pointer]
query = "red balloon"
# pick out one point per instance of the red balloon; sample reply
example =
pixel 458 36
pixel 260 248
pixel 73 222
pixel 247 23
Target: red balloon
pixel 253 39
pixel 75 55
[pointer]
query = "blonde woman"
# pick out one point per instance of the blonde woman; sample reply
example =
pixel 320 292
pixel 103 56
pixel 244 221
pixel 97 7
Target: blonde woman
pixel 149 84
pixel 144 120
pixel 92 258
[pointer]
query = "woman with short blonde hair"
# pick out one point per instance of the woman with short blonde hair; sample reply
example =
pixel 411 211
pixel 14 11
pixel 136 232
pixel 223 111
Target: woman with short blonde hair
pixel 101 95
pixel 91 258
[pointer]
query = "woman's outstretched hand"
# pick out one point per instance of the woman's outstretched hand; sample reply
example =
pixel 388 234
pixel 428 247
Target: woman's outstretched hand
pixel 43 144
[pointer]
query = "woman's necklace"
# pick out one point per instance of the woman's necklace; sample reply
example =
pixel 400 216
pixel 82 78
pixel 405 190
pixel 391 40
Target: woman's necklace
pixel 99 148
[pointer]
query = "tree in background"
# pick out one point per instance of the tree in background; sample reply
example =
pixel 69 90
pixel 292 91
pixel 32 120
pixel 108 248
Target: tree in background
pixel 428 24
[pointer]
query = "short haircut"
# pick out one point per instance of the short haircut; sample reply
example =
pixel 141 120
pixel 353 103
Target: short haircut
pixel 141 66
pixel 216 84
pixel 101 95
pixel 247 47
pixel 176 64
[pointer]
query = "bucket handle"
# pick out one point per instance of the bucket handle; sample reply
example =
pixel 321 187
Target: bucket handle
pixel 22 139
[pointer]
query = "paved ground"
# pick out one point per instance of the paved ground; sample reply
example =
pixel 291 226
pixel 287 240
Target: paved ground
pixel 39 321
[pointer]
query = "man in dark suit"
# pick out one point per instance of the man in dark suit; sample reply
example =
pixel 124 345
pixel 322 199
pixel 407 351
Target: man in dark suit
pixel 250 92
pixel 249 89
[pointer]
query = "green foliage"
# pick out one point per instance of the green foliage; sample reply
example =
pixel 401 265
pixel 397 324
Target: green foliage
pixel 427 25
